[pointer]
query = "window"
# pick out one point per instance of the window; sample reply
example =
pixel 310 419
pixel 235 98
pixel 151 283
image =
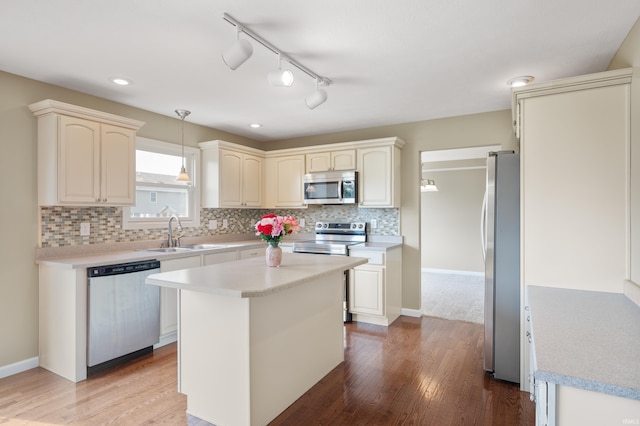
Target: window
pixel 158 195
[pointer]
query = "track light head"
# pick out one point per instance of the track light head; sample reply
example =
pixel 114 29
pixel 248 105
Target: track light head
pixel 237 54
pixel 317 98
pixel 280 77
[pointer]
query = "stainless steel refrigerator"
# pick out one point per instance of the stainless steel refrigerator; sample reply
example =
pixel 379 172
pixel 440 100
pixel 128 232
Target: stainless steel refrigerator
pixel 501 244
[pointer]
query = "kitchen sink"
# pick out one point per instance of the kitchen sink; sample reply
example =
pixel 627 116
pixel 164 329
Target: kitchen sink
pixel 169 249
pixel 204 246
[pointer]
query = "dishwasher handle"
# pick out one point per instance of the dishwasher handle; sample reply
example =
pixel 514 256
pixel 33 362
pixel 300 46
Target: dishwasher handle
pixel 122 268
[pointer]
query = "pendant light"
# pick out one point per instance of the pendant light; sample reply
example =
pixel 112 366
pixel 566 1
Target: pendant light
pixel 183 176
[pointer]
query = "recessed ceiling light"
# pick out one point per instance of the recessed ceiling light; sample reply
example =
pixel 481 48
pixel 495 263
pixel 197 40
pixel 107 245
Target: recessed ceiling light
pixel 255 125
pixel 121 81
pixel 523 80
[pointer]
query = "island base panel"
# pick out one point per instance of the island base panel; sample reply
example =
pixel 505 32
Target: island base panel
pixel 245 360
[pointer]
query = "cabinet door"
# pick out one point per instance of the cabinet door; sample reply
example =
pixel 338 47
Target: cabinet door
pixel 318 162
pixel 79 161
pixel 376 177
pixel 252 181
pixel 289 172
pixel 118 168
pixel 169 296
pixel 343 160
pixel 574 149
pixel 230 178
pixel 366 290
pixel 215 258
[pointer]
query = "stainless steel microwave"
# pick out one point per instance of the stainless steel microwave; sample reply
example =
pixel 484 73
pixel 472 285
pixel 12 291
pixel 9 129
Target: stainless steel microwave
pixel 336 187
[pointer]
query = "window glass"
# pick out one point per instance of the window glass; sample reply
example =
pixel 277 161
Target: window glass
pixel 158 195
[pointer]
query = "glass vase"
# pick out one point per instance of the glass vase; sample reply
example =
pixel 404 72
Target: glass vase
pixel 273 255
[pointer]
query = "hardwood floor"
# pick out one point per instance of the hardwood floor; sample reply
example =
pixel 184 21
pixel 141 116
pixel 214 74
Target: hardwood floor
pixel 418 371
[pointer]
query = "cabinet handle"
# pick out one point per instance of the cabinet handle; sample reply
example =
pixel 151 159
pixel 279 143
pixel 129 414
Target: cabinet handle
pixel 528 336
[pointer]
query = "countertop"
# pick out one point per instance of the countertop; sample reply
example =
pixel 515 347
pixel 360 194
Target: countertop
pixel 252 277
pixel 586 339
pixel 111 257
pixel 376 246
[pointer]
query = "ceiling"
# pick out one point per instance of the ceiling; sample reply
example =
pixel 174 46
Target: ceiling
pixel 390 62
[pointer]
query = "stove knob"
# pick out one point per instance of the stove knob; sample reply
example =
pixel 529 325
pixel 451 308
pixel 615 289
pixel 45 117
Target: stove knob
pixel 361 225
pixel 318 225
pixel 325 225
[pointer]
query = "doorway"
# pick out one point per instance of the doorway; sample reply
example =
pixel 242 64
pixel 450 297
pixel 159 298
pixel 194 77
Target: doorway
pixel 452 278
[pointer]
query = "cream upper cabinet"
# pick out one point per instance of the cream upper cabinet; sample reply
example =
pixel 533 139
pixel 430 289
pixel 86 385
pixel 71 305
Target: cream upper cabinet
pixel 379 176
pixel 331 160
pixel 232 175
pixel 575 144
pixel 284 181
pixel 85 157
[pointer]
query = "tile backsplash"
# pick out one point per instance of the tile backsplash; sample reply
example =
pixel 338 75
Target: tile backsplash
pixel 60 226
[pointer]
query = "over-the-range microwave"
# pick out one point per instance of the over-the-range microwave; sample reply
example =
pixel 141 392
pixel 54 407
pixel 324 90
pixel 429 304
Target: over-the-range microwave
pixel 334 187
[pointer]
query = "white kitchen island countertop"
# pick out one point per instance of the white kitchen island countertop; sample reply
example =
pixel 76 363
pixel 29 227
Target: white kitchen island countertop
pixel 252 277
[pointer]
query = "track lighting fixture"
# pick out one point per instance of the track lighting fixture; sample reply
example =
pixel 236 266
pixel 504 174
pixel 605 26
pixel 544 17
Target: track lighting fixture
pixel 238 53
pixel 278 77
pixel 316 98
pixel 183 176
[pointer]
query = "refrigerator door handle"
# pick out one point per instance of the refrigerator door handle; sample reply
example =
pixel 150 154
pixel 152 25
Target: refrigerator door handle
pixel 483 226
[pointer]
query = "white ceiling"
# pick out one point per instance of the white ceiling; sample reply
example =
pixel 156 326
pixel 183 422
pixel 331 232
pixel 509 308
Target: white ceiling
pixel 390 62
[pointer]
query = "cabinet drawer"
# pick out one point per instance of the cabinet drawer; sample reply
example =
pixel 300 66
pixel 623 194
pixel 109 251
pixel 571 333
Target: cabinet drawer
pixel 248 253
pixel 375 257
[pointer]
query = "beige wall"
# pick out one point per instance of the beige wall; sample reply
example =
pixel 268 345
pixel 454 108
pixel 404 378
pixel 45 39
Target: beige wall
pixel 19 212
pixel 451 221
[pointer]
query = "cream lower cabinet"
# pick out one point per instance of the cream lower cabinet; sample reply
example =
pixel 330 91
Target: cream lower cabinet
pixel 85 157
pixel 215 258
pixel 169 296
pixel 284 175
pixel 375 289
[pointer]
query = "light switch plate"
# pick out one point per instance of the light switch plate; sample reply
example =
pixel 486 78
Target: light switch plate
pixel 213 224
pixel 374 223
pixel 225 223
pixel 85 229
pixel 301 223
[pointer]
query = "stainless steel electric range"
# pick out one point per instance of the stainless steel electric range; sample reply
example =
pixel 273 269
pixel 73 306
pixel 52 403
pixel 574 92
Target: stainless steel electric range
pixel 335 239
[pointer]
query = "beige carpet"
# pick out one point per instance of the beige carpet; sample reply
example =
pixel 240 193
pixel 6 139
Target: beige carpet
pixel 453 296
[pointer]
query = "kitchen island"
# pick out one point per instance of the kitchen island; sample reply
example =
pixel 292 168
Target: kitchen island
pixel 252 339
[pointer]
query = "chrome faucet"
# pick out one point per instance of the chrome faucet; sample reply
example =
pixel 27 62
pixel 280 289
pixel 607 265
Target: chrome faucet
pixel 170 240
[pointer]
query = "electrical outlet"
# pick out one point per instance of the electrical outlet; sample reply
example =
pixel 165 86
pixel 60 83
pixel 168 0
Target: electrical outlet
pixel 301 223
pixel 225 223
pixel 85 229
pixel 374 223
pixel 213 224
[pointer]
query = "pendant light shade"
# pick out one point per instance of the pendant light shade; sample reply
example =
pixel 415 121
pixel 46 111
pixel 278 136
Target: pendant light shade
pixel 183 176
pixel 238 53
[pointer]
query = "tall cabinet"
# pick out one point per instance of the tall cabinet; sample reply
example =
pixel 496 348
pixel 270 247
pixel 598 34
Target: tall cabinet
pixel 575 140
pixel 85 157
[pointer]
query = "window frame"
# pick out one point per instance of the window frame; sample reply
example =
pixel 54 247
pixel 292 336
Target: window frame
pixel 192 164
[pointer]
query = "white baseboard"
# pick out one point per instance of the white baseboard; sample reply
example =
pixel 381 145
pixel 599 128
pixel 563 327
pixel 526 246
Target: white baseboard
pixel 452 271
pixel 411 312
pixel 166 339
pixel 19 367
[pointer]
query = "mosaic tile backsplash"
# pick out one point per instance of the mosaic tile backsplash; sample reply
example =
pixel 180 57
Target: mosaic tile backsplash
pixel 61 225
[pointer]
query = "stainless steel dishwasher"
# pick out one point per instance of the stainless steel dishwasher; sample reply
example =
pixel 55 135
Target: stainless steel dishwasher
pixel 123 312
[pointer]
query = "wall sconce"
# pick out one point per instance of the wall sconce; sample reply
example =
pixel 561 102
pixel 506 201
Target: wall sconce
pixel 428 185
